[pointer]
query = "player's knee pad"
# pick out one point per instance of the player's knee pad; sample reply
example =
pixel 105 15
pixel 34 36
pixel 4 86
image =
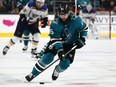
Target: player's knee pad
pixel 14 40
pixel 36 37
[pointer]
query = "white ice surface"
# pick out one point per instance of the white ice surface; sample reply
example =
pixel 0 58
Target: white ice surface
pixel 94 66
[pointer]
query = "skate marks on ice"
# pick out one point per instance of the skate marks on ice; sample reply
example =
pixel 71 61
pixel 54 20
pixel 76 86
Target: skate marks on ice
pixel 7 80
pixel 94 66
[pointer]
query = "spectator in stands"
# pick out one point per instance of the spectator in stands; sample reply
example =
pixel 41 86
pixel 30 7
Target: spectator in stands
pixel 112 4
pixel 104 4
pixel 2 8
pixel 8 5
pixel 15 11
pixel 83 3
pixel 95 4
pixel 50 5
pixel 114 10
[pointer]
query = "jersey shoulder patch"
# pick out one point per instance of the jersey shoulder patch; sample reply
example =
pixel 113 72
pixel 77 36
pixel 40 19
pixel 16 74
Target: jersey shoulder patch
pixel 84 10
pixel 73 16
pixel 30 4
pixel 55 21
pixel 44 7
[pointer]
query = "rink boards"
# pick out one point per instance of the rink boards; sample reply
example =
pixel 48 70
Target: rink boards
pixel 106 25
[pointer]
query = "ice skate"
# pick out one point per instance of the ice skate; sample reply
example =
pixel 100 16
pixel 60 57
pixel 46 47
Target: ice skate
pixel 55 74
pixel 34 52
pixel 30 77
pixel 25 48
pixel 5 50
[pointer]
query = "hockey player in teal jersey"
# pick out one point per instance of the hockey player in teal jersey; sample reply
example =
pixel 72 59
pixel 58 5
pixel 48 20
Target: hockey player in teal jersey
pixel 66 31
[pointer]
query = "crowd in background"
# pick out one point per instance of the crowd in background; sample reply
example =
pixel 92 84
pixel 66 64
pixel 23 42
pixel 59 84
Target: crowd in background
pixel 10 6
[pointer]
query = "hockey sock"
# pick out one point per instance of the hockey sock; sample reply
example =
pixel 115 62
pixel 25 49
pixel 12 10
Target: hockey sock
pixel 38 68
pixel 63 65
pixel 35 40
pixel 13 41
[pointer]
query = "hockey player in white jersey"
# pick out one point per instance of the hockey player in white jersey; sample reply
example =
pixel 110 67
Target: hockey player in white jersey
pixel 89 15
pixel 29 18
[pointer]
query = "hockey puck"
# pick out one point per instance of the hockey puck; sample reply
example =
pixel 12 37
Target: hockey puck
pixel 41 82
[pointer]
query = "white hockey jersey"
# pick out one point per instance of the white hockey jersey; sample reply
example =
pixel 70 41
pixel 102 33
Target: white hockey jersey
pixel 33 13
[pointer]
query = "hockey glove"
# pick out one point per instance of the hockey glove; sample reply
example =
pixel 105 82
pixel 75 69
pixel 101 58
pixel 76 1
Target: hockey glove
pixel 80 42
pixel 23 18
pixel 61 54
pixel 44 22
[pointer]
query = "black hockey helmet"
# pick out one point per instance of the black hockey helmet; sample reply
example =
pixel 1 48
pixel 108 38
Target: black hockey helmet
pixel 63 9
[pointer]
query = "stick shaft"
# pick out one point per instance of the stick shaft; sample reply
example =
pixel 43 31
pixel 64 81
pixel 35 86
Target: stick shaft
pixel 58 58
pixel 75 7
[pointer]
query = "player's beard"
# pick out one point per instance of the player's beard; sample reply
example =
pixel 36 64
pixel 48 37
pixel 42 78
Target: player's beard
pixel 65 20
pixel 64 17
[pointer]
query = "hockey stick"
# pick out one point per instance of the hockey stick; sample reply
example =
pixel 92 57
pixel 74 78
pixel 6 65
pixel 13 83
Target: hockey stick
pixel 75 7
pixel 73 48
pixel 29 14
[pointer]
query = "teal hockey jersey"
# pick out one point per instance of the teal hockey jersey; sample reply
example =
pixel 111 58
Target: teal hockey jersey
pixel 69 32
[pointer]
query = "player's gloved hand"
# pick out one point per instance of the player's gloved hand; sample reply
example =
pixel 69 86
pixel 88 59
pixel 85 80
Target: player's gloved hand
pixel 80 42
pixel 44 22
pixel 23 18
pixel 61 54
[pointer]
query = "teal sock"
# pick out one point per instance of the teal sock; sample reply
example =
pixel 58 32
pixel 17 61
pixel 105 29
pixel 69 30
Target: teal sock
pixel 26 42
pixel 35 72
